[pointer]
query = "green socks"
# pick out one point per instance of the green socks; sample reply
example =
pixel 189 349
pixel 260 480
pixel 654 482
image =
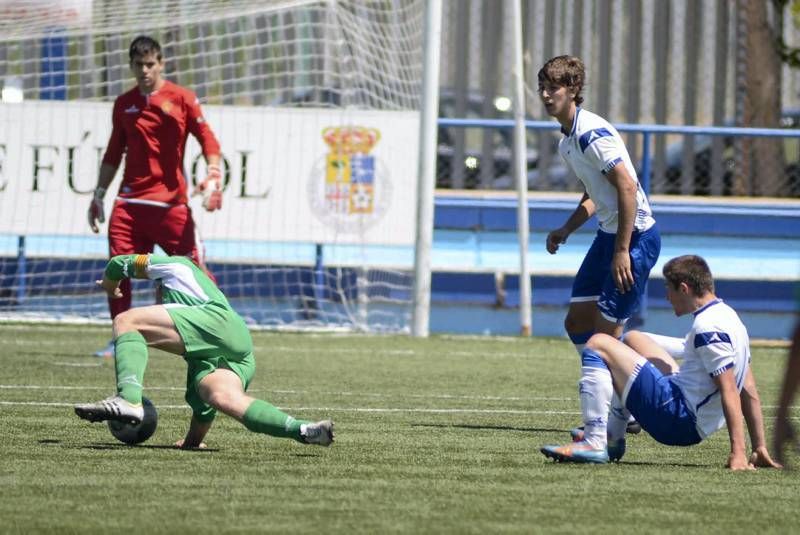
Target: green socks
pixel 130 361
pixel 261 417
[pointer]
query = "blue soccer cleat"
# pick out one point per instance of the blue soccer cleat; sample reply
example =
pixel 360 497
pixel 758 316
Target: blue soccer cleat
pixel 107 352
pixel 615 448
pixel 576 452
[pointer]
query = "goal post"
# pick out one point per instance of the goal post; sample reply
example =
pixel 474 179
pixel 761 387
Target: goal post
pixel 316 104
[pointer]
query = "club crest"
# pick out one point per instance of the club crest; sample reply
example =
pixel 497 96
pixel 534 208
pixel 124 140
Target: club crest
pixel 349 188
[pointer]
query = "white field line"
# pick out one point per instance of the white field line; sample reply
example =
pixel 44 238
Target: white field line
pixel 266 350
pixel 340 409
pixel 292 350
pixel 343 394
pixel 331 409
pixel 394 410
pixel 97 364
pixel 301 393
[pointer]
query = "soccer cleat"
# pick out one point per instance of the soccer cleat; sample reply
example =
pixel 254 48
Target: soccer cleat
pixel 615 450
pixel 112 408
pixel 320 433
pixel 576 452
pixel 107 352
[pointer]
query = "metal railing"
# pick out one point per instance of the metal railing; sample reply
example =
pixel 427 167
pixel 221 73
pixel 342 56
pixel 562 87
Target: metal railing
pixel 646 130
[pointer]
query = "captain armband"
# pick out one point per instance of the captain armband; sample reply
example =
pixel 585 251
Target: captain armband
pixel 140 264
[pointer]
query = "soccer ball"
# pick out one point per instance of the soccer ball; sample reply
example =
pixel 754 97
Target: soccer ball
pixel 136 434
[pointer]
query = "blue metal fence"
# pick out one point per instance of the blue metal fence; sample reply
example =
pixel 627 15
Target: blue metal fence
pixel 646 130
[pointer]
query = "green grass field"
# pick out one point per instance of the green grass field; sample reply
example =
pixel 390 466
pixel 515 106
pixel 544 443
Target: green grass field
pixel 433 436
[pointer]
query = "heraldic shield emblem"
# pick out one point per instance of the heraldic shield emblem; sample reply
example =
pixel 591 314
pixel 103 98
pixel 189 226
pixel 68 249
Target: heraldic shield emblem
pixel 349 189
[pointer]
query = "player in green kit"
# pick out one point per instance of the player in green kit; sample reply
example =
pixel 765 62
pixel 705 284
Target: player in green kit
pixel 196 321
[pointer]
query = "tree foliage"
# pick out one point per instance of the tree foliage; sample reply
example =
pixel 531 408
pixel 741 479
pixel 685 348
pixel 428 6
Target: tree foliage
pixel 788 54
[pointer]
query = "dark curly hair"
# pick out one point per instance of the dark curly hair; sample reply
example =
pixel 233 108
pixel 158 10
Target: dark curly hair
pixel 567 71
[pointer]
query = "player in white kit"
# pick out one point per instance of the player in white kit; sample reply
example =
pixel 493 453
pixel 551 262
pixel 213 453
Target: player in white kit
pixel 677 405
pixel 609 285
pixel 610 282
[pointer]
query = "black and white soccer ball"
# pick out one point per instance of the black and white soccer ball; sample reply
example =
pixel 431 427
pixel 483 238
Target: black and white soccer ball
pixel 136 434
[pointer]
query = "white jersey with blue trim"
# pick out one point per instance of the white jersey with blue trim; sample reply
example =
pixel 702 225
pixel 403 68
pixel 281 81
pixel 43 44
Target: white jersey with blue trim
pixel 718 341
pixel 592 148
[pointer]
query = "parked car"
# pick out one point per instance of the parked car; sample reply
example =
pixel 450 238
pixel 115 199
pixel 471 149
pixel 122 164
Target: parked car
pixel 474 159
pixel 701 182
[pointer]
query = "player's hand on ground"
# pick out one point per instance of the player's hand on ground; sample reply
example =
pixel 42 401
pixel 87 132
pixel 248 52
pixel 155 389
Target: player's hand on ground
pixel 761 458
pixel 555 238
pixel 182 444
pixel 211 189
pixel 97 211
pixel 783 434
pixel 621 271
pixel 110 287
pixel 739 462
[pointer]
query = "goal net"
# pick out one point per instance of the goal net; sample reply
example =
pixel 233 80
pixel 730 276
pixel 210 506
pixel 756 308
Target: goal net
pixel 315 104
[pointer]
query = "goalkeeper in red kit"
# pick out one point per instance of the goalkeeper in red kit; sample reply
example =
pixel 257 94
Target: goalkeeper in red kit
pixel 150 126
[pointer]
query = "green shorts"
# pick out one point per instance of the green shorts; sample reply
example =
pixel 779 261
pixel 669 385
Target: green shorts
pixel 215 337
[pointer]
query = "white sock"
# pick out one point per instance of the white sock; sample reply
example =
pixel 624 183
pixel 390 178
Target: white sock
pixel 595 390
pixel 617 419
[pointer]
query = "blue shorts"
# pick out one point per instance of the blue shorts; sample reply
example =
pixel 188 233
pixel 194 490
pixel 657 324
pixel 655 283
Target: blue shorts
pixel 658 405
pixel 595 283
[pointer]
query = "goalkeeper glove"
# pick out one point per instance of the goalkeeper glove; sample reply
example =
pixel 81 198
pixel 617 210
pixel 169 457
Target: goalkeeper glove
pixel 96 210
pixel 211 189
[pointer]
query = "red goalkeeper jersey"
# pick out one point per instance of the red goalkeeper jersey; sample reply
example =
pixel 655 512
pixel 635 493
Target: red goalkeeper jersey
pixel 152 130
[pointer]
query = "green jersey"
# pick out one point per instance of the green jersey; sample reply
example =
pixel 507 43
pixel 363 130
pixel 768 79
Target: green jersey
pixel 214 335
pixel 182 282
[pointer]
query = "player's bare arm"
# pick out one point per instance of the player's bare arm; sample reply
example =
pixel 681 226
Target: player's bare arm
pixel 626 188
pixel 195 435
pixel 111 287
pixel 96 209
pixel 753 416
pixel 732 408
pixel 582 213
pixel 784 431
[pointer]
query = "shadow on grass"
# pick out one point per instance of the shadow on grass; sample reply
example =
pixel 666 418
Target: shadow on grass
pixel 494 428
pixel 117 446
pixel 635 463
pixel 666 463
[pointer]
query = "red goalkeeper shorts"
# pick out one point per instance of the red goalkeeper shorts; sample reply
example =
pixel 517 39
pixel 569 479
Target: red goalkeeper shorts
pixel 136 228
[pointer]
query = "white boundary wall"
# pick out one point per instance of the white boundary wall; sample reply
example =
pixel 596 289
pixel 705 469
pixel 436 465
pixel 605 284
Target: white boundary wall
pixel 277 162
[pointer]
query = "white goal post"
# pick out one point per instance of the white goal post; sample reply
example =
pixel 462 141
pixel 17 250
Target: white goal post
pixel 316 105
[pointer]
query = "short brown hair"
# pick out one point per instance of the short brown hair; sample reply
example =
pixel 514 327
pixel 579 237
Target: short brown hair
pixel 143 46
pixel 692 270
pixel 567 71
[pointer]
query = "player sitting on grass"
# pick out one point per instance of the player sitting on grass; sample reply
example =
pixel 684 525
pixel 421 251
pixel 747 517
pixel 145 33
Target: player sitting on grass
pixel 678 406
pixel 197 322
